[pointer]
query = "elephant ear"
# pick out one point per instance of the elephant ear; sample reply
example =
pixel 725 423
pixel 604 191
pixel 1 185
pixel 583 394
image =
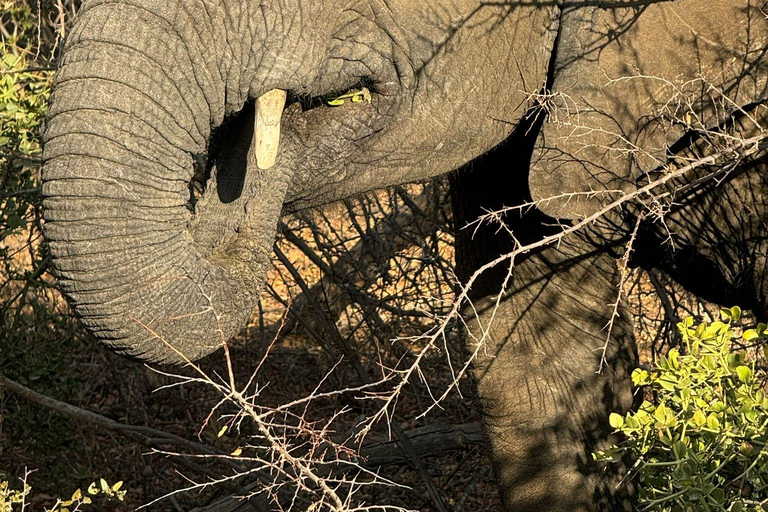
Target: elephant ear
pixel 628 82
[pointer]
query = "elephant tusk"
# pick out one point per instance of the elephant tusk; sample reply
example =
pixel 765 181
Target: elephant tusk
pixel 269 112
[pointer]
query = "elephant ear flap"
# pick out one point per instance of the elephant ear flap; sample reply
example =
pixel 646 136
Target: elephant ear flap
pixel 580 161
pixel 629 82
pixel 570 181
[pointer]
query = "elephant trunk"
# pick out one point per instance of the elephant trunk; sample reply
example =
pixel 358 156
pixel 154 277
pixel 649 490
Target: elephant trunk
pixel 129 120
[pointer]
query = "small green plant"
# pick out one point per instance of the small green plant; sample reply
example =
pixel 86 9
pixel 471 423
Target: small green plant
pixel 79 499
pixel 23 99
pixel 700 440
pixel 10 497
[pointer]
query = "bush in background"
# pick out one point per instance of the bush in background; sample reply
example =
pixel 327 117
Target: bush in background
pixel 699 439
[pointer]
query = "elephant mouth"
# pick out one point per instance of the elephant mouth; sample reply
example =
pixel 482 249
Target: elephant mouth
pixel 308 137
pixel 308 133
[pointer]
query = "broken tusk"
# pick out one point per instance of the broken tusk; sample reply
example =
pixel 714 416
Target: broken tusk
pixel 269 112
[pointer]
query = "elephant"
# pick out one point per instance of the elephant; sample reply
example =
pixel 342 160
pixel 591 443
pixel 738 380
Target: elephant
pixel 179 132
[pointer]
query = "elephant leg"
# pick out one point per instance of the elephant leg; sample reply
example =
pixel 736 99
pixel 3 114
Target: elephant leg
pixel 545 406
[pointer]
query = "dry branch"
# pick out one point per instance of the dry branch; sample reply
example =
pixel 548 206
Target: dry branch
pixel 430 440
pixel 346 280
pixel 147 436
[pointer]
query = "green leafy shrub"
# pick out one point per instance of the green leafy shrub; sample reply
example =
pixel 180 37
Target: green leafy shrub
pixel 699 441
pixel 10 497
pixel 24 92
pixel 79 499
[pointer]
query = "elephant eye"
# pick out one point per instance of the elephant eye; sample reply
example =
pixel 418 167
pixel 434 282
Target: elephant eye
pixel 359 92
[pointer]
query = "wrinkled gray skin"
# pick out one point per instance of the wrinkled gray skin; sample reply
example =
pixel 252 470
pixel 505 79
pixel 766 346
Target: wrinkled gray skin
pixel 160 271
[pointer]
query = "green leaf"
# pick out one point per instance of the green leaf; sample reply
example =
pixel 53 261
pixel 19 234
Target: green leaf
pixel 14 221
pixel 640 377
pixel 750 334
pixel 718 495
pixel 699 419
pixel 731 314
pixel 744 373
pixel 674 358
pixel 680 450
pixel 668 381
pixel 616 420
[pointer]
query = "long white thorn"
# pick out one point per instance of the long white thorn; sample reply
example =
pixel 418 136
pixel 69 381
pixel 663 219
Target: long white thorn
pixel 269 112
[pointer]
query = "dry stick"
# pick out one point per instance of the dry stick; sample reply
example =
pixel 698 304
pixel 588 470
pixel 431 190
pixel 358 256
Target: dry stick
pixel 437 439
pixel 146 435
pixel 430 440
pixel 25 70
pixel 4 31
pixel 624 274
pixel 324 322
pixel 236 397
pixel 332 273
pixel 670 314
pixel 336 275
pixel 349 352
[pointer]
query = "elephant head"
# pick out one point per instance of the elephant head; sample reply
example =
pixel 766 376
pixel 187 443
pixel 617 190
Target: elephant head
pixel 152 97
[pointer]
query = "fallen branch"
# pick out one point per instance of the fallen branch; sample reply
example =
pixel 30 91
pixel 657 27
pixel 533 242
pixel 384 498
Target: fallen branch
pixel 147 436
pixel 428 441
pixel 431 440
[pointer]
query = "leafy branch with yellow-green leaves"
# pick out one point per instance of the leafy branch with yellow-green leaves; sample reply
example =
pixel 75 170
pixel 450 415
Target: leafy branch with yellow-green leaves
pixel 700 440
pixel 23 99
pixel 10 497
pixel 24 91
